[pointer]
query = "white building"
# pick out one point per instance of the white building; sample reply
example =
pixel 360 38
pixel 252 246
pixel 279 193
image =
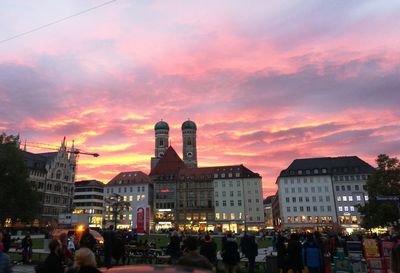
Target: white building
pixel 135 188
pixel 238 199
pixel 308 195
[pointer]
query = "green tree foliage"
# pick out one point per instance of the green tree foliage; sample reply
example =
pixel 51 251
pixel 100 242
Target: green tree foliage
pixel 17 199
pixel 384 181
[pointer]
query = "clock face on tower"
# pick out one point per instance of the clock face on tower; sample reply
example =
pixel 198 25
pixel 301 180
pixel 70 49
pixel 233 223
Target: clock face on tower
pixel 189 154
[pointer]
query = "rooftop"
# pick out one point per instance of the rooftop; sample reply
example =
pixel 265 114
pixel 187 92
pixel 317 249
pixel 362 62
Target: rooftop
pixel 327 166
pixel 129 178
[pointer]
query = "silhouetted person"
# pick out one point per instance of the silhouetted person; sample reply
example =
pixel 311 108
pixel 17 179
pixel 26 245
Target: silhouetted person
pixel 282 253
pixel 208 249
pixel 87 240
pixel 109 238
pixel 174 247
pixel 192 257
pixel 249 248
pixel 53 263
pixel 27 248
pixel 230 254
pixel 294 250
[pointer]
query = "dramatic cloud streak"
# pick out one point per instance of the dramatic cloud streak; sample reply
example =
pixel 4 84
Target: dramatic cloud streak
pixel 266 83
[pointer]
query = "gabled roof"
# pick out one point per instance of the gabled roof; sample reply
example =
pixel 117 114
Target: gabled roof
pixel 129 178
pixel 332 165
pixel 171 163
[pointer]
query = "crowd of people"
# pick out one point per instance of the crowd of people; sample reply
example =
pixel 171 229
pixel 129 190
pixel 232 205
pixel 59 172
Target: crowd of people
pixel 297 251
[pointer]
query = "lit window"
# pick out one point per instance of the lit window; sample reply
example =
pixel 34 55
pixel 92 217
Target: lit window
pixel 339 198
pixel 350 198
pixel 232 216
pixel 217 216
pixel 130 198
pixel 358 197
pixel 366 197
pixel 344 198
pixel 224 216
pixel 346 208
pixel 340 208
pixel 351 208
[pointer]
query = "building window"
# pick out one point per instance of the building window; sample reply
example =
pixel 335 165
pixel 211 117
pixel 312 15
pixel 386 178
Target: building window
pixel 286 190
pixel 257 201
pixel 308 208
pixel 216 203
pixel 223 194
pixel 249 200
pixel 350 198
pixel 357 187
pixel 232 216
pixel 343 187
pixel 329 208
pixel 307 199
pixel 216 194
pixel 314 199
pixel 348 187
pixel 293 191
pixel 305 189
pixel 346 208
pixel 351 208
pixel 239 193
pixel 223 184
pixel 287 199
pixel 312 189
pixel 231 194
pixel 295 209
pixel 320 199
pixel 339 198
pixel 322 208
pixel 217 216
pixel 224 203
pixel 239 202
pixel 340 208
pixel 358 198
pixel 344 198
pixel 300 199
pixel 314 208
pixel 301 208
pixel 328 198
pixel 366 197
pixel 232 203
pixel 288 209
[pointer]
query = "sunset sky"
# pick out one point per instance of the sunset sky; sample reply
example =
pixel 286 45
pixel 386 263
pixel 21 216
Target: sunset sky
pixel 265 81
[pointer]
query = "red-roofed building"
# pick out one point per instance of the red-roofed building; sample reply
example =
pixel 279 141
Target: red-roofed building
pixel 207 198
pixel 136 188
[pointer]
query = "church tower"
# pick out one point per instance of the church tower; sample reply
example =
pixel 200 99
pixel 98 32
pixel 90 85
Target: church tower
pixel 189 129
pixel 161 144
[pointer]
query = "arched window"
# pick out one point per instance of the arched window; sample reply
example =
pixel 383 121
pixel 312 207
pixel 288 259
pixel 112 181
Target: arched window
pixel 161 142
pixel 58 174
pixel 189 142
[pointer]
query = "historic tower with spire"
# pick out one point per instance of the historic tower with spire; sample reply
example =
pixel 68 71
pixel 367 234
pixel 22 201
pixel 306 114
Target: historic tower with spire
pixel 189 129
pixel 161 144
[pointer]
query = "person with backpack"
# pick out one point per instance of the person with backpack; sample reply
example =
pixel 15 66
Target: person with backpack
pixel 312 255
